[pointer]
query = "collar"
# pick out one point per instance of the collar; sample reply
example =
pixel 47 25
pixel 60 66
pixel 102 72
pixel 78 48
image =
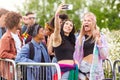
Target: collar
pixel 36 44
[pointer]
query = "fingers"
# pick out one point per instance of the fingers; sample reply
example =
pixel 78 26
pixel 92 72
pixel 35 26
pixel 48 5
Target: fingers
pixel 96 34
pixel 59 8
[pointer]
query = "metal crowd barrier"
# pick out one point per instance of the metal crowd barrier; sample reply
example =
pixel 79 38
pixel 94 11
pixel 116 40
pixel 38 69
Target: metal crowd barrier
pixel 28 71
pixel 7 69
pixel 37 71
pixel 116 70
pixel 108 69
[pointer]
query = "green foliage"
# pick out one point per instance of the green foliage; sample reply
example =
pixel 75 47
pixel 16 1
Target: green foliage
pixel 107 68
pixel 45 10
pixel 113 40
pixel 107 74
pixel 107 11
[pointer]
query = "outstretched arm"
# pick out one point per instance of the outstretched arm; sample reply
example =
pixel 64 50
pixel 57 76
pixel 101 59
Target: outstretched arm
pixel 56 35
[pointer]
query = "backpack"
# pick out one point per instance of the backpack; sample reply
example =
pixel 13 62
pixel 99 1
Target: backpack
pixel 42 60
pixel 32 51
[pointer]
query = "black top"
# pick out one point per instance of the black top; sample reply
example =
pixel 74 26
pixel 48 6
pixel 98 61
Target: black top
pixel 88 46
pixel 65 50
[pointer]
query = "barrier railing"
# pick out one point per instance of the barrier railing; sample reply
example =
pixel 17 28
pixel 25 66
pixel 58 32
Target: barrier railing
pixel 108 69
pixel 116 70
pixel 37 71
pixel 9 70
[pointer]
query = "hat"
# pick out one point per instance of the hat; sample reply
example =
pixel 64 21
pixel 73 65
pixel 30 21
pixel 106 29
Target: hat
pixel 35 30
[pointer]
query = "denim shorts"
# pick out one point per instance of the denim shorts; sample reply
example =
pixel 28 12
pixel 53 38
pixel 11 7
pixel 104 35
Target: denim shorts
pixel 85 68
pixel 65 76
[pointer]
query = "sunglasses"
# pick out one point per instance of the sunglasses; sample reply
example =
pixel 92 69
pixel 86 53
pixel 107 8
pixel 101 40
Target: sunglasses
pixel 32 18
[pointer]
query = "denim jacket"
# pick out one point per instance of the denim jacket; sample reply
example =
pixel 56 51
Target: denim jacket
pixel 23 56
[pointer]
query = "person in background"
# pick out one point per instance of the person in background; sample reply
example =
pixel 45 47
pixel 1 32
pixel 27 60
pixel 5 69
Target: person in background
pixel 29 20
pixel 2 22
pixel 10 43
pixel 63 45
pixel 90 49
pixel 25 20
pixel 48 31
pixel 40 54
pixel 77 34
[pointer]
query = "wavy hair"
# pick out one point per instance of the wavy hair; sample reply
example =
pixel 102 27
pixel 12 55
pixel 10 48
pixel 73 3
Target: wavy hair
pixel 93 27
pixel 12 19
pixel 71 35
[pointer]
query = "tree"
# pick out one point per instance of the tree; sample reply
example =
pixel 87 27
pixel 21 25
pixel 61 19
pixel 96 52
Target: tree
pixel 106 11
pixel 45 10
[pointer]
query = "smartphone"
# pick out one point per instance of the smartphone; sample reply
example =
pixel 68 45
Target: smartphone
pixel 67 7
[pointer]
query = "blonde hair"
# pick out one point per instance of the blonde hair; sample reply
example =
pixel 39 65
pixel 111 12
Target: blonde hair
pixel 93 27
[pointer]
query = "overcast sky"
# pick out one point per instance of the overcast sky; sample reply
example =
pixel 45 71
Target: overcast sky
pixel 11 4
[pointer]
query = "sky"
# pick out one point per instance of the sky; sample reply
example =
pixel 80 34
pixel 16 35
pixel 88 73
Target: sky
pixel 11 4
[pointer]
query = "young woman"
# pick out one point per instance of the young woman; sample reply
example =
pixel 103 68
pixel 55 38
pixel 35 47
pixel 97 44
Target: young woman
pixel 49 27
pixel 63 44
pixel 90 49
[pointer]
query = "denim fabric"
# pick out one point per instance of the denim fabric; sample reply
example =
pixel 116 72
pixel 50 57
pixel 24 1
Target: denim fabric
pixel 23 56
pixel 65 76
pixel 84 67
pixel 54 60
pixel 0 33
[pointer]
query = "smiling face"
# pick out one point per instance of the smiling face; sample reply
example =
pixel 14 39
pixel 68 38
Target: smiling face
pixel 41 33
pixel 68 27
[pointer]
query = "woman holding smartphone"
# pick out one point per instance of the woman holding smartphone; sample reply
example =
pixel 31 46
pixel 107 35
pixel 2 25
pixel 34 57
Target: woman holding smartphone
pixel 63 44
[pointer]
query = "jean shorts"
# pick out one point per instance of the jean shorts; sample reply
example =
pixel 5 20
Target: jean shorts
pixel 85 68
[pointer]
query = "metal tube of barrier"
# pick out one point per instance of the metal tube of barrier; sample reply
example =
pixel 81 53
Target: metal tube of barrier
pixel 114 66
pixel 43 64
pixel 14 66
